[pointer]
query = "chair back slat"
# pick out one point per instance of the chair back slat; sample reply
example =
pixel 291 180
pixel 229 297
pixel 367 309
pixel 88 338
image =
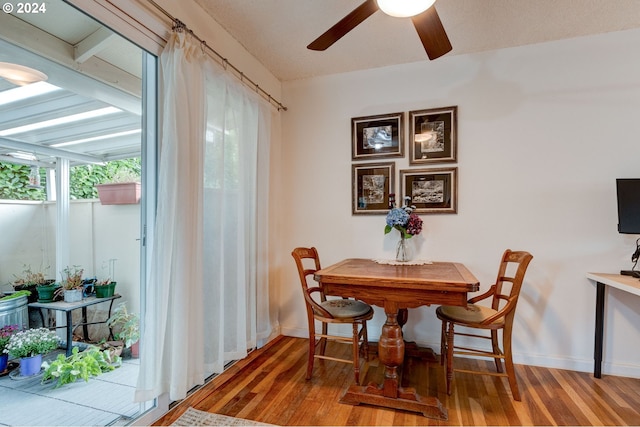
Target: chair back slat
pixel 513 267
pixel 304 256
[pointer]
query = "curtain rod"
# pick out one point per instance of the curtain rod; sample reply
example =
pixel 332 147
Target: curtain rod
pixel 180 26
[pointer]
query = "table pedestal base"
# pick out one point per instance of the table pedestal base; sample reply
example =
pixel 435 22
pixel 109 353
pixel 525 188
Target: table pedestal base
pixel 407 399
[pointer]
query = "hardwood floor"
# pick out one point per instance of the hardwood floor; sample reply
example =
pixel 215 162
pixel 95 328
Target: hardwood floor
pixel 269 386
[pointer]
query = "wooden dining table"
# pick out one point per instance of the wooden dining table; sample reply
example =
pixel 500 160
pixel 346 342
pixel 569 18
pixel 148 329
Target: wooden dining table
pixel 397 288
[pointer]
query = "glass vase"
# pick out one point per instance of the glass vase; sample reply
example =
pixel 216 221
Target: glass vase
pixel 403 251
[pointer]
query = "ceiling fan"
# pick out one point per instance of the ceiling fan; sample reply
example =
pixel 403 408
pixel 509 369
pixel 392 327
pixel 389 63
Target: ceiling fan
pixel 422 13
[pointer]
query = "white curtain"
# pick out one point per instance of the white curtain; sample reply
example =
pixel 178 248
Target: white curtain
pixel 207 296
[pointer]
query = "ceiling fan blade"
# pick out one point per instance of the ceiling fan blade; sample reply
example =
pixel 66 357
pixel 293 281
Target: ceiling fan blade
pixel 432 33
pixel 345 25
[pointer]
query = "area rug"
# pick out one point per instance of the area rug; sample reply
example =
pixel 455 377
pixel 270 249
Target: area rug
pixel 194 417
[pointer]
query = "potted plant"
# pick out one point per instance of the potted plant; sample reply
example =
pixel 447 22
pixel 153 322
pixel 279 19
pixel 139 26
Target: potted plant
pixel 5 335
pixel 127 326
pixel 79 365
pixel 71 286
pixel 106 287
pixel 46 291
pixel 30 280
pixel 113 349
pixel 123 189
pixel 29 346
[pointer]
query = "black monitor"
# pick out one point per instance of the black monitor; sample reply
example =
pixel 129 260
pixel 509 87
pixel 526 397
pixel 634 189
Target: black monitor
pixel 628 190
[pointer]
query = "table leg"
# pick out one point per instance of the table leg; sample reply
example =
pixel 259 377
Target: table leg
pixel 599 336
pixel 111 337
pixel 391 354
pixel 85 327
pixel 69 332
pixel 390 394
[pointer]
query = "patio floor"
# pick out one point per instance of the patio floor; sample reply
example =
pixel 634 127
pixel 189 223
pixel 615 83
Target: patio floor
pixel 103 401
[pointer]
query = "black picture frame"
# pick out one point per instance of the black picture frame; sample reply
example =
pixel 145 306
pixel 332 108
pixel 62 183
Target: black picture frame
pixel 377 137
pixel 433 137
pixel 371 185
pixel 431 190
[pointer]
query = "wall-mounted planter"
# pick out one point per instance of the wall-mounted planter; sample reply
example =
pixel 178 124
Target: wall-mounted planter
pixel 124 193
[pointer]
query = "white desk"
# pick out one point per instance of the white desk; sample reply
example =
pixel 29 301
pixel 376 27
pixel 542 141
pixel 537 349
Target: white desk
pixel 625 283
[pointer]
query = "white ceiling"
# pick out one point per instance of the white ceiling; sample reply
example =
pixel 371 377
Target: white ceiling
pixel 278 31
pixel 93 69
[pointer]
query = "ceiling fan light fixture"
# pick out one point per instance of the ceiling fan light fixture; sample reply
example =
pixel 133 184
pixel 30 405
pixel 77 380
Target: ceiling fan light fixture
pixel 20 75
pixel 404 8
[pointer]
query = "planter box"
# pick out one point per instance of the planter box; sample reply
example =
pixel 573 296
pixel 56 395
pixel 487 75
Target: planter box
pixel 125 193
pixel 14 312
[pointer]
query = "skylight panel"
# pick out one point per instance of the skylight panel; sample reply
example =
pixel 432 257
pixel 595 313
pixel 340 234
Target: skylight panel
pixel 97 138
pixel 61 120
pixel 25 92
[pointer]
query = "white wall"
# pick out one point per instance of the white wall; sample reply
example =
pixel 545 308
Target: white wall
pixel 98 233
pixel 543 132
pixel 27 238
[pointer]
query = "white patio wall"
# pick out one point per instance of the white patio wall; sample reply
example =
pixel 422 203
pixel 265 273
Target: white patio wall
pixel 98 233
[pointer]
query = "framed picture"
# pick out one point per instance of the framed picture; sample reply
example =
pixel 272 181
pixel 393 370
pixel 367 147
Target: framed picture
pixel 371 185
pixel 433 136
pixel 431 190
pixel 377 136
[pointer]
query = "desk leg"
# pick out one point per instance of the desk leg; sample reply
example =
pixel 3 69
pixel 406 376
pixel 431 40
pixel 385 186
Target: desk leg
pixel 390 394
pixel 69 332
pixel 599 336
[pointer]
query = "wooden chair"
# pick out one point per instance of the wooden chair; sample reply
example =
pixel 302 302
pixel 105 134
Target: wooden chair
pixel 499 316
pixel 337 311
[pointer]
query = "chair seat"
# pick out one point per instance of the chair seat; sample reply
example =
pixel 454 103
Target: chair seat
pixel 471 314
pixel 343 308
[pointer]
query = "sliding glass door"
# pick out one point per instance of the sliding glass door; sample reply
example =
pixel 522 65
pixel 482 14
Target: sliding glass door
pixel 93 115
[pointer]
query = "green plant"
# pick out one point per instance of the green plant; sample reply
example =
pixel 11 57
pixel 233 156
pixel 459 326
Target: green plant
pixel 16 294
pixel 84 178
pixel 80 365
pixel 125 175
pixel 5 335
pixel 15 183
pixel 32 342
pixel 127 324
pixel 14 179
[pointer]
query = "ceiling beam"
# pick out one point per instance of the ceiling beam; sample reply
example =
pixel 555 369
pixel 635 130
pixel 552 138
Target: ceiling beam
pixel 77 82
pixel 32 39
pixel 17 161
pixel 49 151
pixel 93 44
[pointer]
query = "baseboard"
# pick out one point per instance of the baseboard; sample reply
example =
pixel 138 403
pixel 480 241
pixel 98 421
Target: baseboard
pixel 295 332
pixel 554 362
